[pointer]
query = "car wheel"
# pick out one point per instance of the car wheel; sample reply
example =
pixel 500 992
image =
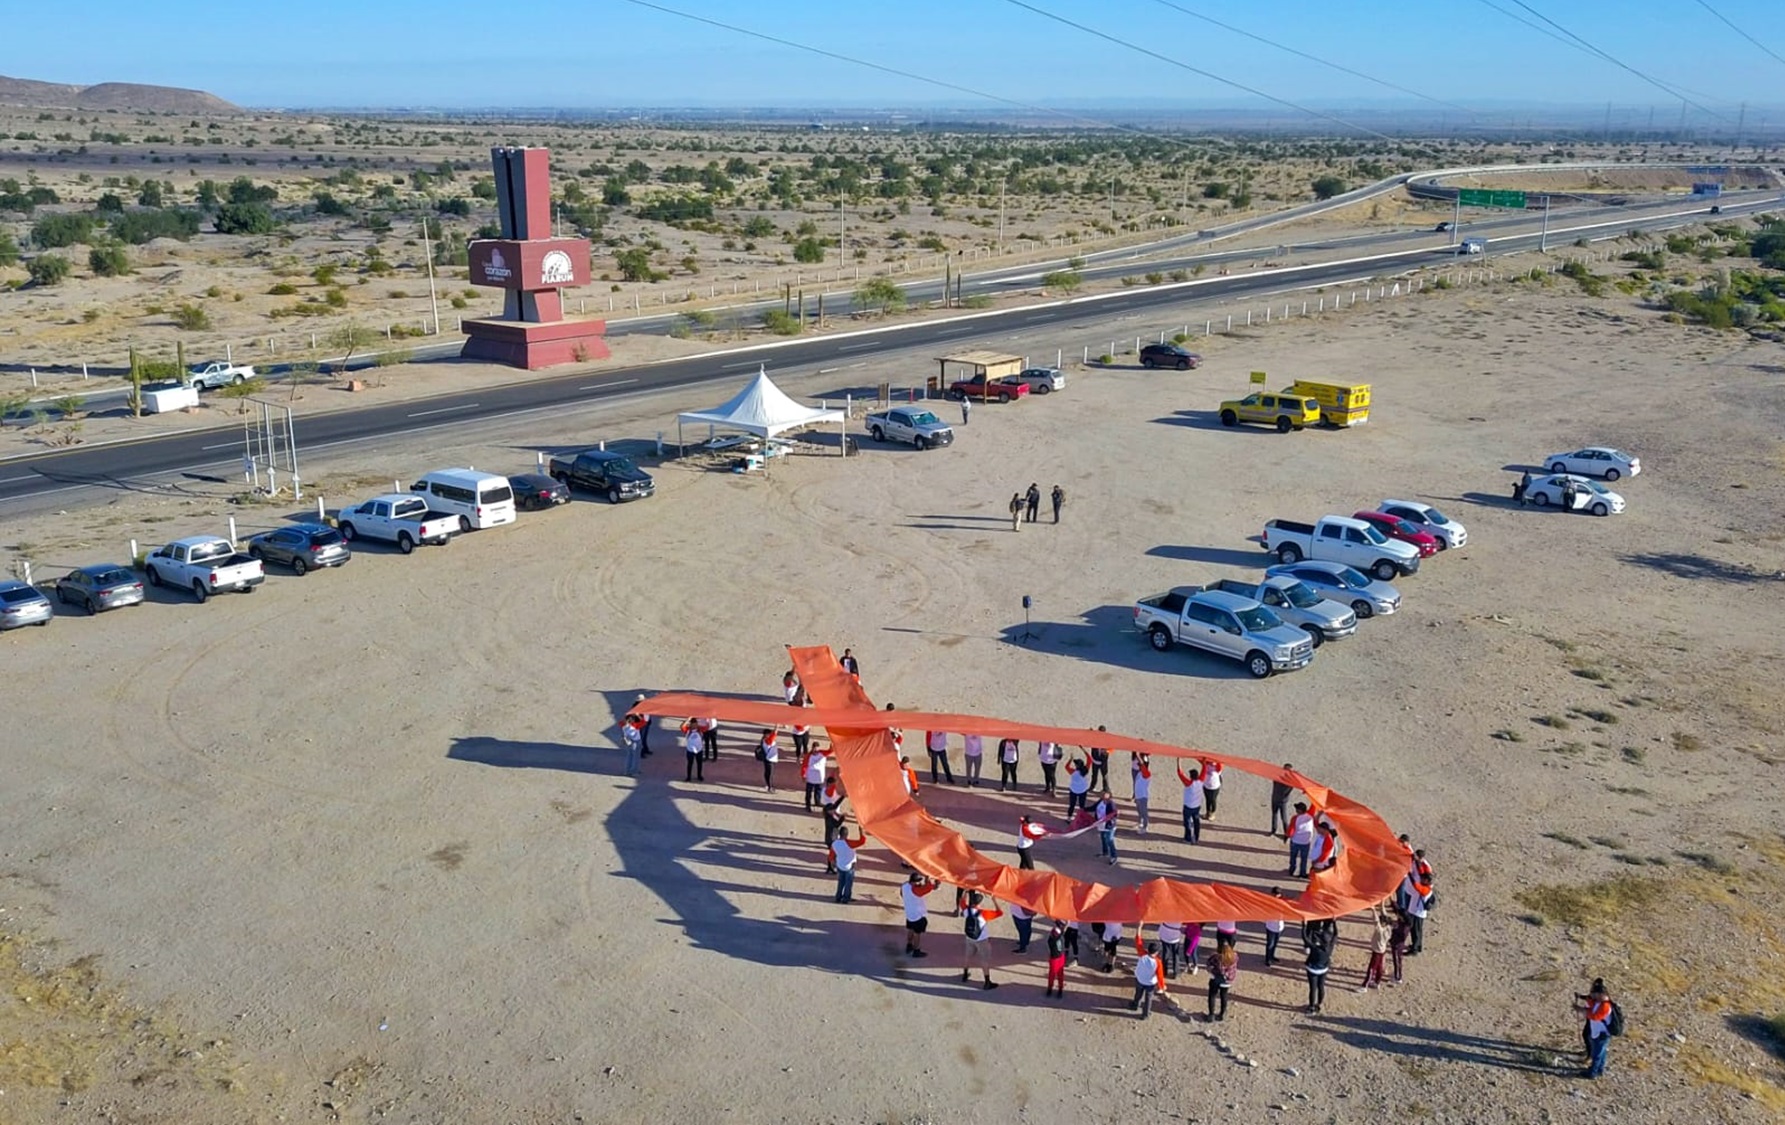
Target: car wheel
pixel 1384 570
pixel 956 396
pixel 61 595
pixel 1558 467
pixel 1541 499
pixel 877 434
pixel 239 379
pixel 1611 474
pixel 1289 554
pixel 1315 635
pixel 1602 509
pixel 613 495
pixel 199 592
pixel 1363 609
pixel 92 607
pixel 299 567
pixel 154 577
pixel 1258 664
pixel 1159 637
pixel 347 531
pixel 1003 399
pixel 465 523
pixel 1183 365
pixel 1284 425
pixel 1147 363
pixel 922 443
pixel 1229 418
pixel 405 544
pixel 1043 388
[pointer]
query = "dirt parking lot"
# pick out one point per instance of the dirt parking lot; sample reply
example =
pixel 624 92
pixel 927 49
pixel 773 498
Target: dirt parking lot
pixel 356 847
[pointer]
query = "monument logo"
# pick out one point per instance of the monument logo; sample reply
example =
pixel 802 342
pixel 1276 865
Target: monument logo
pixel 555 269
pixel 496 269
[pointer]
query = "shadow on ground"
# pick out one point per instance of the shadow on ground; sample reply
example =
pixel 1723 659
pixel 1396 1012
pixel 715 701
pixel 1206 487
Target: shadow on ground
pixel 1681 565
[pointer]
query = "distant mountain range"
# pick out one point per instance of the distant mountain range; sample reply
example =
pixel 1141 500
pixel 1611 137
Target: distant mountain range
pixel 129 96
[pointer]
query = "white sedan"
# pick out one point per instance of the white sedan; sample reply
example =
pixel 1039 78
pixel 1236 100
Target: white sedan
pixel 1589 495
pixel 1449 532
pixel 1043 380
pixel 1595 461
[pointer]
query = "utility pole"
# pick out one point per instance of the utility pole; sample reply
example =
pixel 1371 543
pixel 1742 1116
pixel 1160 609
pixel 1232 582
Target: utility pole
pixel 1543 241
pixel 1740 120
pixel 427 249
pixel 1001 216
pixel 1456 217
pixel 1607 137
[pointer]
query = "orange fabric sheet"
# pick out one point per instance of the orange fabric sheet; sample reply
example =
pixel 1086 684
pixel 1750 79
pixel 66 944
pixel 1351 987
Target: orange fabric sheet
pixel 1371 860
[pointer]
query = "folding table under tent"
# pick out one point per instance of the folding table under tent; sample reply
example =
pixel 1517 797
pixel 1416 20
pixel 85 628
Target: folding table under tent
pixel 763 409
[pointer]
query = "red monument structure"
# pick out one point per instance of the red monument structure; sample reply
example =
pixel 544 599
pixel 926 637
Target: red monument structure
pixel 532 267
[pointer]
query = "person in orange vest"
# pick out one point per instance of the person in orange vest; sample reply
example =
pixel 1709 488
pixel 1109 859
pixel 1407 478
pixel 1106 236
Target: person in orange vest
pixel 1413 899
pixel 843 856
pixel 1602 1023
pixel 1326 848
pixel 1027 833
pixel 976 944
pixel 910 775
pixel 1148 978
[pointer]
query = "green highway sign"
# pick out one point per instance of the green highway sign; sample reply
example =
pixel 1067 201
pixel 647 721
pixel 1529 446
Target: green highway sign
pixel 1476 197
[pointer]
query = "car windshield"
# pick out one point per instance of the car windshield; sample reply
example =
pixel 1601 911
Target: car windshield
pixel 1374 535
pixel 1300 596
pixel 1257 619
pixel 1406 528
pixel 1352 578
pixel 923 418
pixel 113 577
pixel 1433 515
pixel 621 465
pixel 1591 486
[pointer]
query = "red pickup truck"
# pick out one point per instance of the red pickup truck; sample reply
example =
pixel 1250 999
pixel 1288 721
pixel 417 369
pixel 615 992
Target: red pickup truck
pixel 1002 389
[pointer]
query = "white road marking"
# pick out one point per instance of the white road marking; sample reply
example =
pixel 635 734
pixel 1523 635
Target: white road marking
pixel 444 410
pixel 858 347
pixel 9 480
pixel 746 363
pixel 603 386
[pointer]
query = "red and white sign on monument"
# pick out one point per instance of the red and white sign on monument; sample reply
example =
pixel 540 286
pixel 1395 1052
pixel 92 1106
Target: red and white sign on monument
pixel 533 268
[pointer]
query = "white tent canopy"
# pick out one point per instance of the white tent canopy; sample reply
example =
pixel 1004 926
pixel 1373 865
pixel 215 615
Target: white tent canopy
pixel 763 409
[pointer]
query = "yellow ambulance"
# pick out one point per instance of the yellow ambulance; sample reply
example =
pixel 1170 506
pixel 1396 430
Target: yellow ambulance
pixel 1341 404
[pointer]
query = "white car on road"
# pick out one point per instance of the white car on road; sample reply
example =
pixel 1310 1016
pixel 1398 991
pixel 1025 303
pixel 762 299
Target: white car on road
pixel 1595 461
pixel 1589 495
pixel 1449 532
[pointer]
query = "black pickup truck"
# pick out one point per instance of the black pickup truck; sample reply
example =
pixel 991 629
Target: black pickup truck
pixel 596 470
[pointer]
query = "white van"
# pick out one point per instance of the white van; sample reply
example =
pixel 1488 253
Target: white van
pixel 478 499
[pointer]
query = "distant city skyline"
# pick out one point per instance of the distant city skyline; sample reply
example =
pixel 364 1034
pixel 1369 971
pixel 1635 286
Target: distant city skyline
pixel 1450 60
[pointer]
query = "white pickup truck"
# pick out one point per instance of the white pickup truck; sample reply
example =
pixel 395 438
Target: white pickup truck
pixel 1226 625
pixel 1341 539
pixel 402 518
pixel 912 424
pixel 211 376
pixel 204 564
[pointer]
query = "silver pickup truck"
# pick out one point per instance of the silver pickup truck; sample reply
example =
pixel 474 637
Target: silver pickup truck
pixel 912 424
pixel 204 564
pixel 1237 628
pixel 1296 603
pixel 403 518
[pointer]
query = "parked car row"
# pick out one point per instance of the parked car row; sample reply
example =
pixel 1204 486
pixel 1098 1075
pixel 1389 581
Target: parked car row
pixel 1006 388
pixel 439 506
pixel 1317 592
pixel 1569 484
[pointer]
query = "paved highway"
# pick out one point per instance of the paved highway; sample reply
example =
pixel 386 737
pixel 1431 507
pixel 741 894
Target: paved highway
pixel 34 479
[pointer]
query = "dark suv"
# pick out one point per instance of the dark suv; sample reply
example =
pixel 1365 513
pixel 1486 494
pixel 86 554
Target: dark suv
pixel 1169 355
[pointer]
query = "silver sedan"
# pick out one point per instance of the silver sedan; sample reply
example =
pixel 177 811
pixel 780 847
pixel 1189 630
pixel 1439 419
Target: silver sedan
pixel 22 605
pixel 1346 585
pixel 1043 380
pixel 1595 461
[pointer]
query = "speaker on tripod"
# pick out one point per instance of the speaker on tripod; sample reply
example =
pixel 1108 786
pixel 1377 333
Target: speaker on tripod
pixel 1027 634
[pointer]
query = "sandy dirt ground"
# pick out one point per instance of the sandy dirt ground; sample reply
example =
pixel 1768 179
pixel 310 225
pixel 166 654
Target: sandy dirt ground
pixel 357 847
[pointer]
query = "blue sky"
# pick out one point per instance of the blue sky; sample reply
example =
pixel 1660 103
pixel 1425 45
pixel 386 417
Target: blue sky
pixel 612 53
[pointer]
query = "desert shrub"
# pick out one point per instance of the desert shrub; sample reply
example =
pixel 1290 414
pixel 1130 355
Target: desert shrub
pixel 55 231
pixel 245 218
pixel 138 227
pixel 282 289
pixel 781 322
pixel 1647 259
pixel 1065 280
pixel 9 249
pixel 676 209
pixel 808 250
pixel 880 293
pixel 108 261
pixel 1328 186
pixel 191 318
pixel 48 269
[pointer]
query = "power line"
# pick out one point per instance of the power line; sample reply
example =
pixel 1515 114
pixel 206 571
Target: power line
pixel 1655 82
pixel 1314 58
pixel 1571 44
pixel 895 71
pixel 1044 13
pixel 1739 31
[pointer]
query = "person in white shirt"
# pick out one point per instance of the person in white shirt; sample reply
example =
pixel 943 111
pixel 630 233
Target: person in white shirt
pixel 1078 786
pixel 974 749
pixel 1007 752
pixel 843 856
pixel 936 742
pixel 1143 791
pixel 790 687
pixel 814 769
pixel 1171 946
pixel 917 912
pixel 1112 936
pixel 768 752
pixel 1301 839
pixel 1193 798
pixel 1027 833
pixel 709 732
pixel 695 743
pixel 1146 978
pixel 1048 754
pixel 1211 787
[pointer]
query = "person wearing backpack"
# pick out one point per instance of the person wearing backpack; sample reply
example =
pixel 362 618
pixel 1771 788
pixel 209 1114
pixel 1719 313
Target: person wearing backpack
pixel 976 942
pixel 1603 1021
